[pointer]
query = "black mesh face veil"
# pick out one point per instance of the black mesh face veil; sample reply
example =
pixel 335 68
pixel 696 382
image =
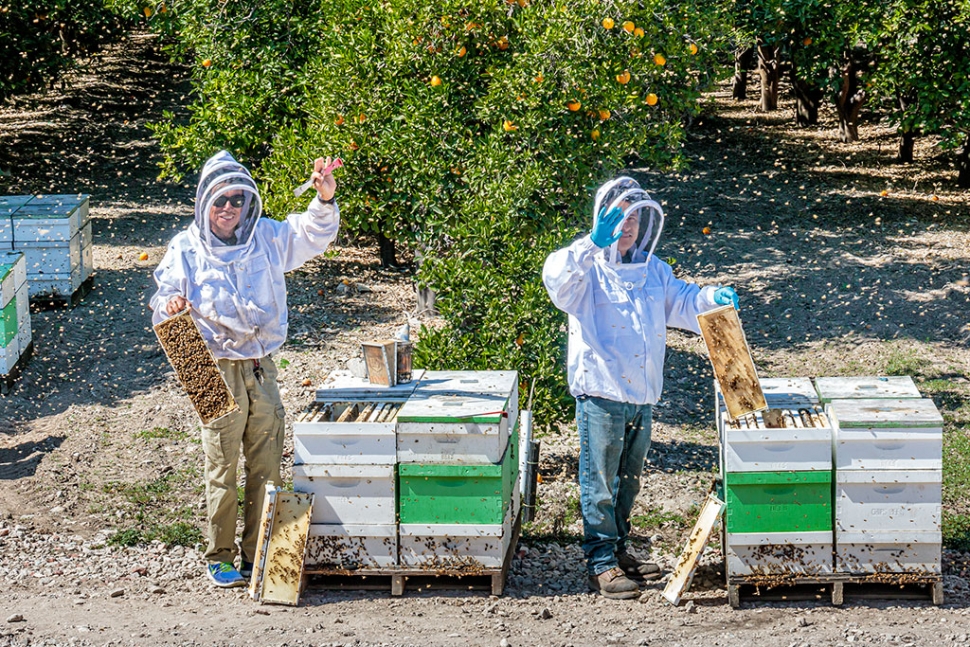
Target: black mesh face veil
pixel 224 176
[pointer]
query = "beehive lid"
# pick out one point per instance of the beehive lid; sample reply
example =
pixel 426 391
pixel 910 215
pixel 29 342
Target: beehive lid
pixel 343 385
pixel 71 199
pixel 844 388
pixel 11 203
pixel 460 408
pixel 884 413
pixel 472 382
pixel 31 211
pixel 781 392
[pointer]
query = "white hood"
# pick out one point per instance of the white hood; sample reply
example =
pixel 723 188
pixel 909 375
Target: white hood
pixel 221 175
pixel 639 210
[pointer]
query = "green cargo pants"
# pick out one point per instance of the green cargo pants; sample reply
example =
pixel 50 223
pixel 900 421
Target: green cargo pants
pixel 256 428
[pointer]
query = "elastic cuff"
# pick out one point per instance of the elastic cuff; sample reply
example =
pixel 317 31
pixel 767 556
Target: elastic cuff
pixel 332 200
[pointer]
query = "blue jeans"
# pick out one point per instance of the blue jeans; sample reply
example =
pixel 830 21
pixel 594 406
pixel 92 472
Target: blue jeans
pixel 614 438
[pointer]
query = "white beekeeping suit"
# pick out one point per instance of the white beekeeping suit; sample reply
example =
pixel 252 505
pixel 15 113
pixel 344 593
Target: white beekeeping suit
pixel 620 306
pixel 236 284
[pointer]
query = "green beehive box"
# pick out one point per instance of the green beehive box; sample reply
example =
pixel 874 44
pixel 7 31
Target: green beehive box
pixel 8 323
pixel 458 494
pixel 779 501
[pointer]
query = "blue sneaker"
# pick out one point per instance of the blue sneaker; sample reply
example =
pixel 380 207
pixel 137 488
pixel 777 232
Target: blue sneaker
pixel 246 569
pixel 225 575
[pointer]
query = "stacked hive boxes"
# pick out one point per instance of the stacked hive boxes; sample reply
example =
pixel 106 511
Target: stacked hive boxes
pixel 888 485
pixel 778 484
pixel 54 232
pixel 458 466
pixel 345 452
pixel 15 334
pixel 419 475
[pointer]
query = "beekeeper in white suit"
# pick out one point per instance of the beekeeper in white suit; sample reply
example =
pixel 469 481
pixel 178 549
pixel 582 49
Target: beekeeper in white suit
pixel 228 266
pixel 620 299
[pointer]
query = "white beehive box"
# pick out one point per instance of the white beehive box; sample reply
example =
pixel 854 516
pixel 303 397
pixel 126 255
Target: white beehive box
pixel 55 284
pixel 9 354
pixel 353 547
pixel 492 383
pixel 455 546
pixel 349 494
pixel 885 434
pixel 45 223
pixel 779 392
pixel 884 501
pixel 13 275
pixel 851 388
pixel 51 259
pixel 454 429
pixel 319 439
pixel 889 552
pixel 752 447
pixel 803 554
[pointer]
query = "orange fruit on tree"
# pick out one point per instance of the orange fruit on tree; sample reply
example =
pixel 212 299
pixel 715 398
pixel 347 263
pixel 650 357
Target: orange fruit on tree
pixel 148 12
pixel 595 134
pixel 207 62
pixel 604 114
pixel 623 77
pixel 807 42
pixel 652 99
pixel 574 105
pixel 508 126
pixel 339 120
pixel 608 23
pixel 361 117
pixel 628 26
pixel 353 145
pixel 638 32
pixel 435 81
pixel 503 43
pixel 659 59
pixel 539 77
pixel 693 48
pixel 461 51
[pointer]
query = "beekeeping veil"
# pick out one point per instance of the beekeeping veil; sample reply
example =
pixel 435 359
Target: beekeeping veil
pixel 222 175
pixel 643 219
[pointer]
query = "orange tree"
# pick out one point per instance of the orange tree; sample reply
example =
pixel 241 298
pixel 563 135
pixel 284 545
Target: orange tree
pixel 39 39
pixel 473 133
pixel 922 74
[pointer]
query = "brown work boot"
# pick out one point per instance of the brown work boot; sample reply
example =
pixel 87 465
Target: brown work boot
pixel 614 584
pixel 638 569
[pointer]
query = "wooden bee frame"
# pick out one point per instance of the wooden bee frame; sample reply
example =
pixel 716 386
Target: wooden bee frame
pixel 731 359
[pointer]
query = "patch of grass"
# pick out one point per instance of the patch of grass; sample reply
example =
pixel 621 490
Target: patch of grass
pixel 162 433
pixel 174 534
pixel 906 362
pixel 956 531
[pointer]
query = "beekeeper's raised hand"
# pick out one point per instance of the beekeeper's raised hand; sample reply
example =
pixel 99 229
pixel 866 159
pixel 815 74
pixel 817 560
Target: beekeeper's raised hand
pixel 325 185
pixel 176 304
pixel 726 296
pixel 604 226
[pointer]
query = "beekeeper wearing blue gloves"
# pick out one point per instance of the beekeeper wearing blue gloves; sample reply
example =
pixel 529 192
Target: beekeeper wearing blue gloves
pixel 620 299
pixel 228 266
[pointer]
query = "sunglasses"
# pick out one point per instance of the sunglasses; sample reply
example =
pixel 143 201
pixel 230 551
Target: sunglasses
pixel 235 200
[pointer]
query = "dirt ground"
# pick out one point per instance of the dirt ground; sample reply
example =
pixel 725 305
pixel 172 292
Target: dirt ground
pixel 845 262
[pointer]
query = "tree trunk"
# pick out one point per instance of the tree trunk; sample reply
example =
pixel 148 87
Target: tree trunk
pixel 851 96
pixel 808 98
pixel 963 164
pixel 768 69
pixel 906 140
pixel 742 63
pixel 426 296
pixel 387 251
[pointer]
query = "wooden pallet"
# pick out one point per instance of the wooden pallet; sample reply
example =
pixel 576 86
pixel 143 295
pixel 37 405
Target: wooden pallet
pixel 51 301
pixel 399 579
pixel 6 381
pixel 836 586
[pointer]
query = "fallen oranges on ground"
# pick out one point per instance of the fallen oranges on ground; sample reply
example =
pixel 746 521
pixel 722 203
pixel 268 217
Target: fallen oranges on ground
pixel 706 231
pixel 143 256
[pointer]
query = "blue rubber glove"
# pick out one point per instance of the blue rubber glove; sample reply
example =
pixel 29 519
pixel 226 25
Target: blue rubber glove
pixel 726 296
pixel 602 234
